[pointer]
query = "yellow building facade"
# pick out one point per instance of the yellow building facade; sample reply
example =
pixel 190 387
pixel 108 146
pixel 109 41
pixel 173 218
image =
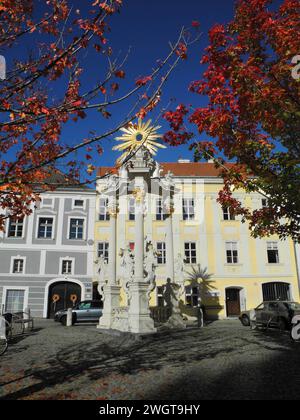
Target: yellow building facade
pixel 243 271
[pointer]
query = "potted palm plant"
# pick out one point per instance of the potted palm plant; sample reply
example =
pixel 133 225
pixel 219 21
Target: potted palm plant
pixel 199 276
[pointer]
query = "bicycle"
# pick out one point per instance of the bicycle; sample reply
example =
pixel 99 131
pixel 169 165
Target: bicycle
pixel 10 326
pixel 5 333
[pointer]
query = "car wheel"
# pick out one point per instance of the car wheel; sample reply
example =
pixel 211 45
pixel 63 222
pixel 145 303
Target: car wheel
pixel 282 324
pixel 245 321
pixel 63 320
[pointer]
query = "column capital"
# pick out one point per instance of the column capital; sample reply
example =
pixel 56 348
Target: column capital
pixel 169 210
pixel 113 211
pixel 139 195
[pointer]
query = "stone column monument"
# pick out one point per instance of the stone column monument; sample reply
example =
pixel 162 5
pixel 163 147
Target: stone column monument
pixel 110 288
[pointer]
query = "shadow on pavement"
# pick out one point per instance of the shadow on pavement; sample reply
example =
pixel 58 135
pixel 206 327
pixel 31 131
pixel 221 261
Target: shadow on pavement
pixel 229 367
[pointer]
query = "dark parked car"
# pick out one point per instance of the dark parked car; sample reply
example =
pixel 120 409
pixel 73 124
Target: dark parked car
pixel 276 313
pixel 85 311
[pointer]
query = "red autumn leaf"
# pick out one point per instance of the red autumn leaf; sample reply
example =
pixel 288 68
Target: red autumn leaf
pixel 102 89
pixel 195 24
pixel 143 80
pixel 120 74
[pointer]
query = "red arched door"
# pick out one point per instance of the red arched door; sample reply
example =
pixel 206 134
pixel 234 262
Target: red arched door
pixel 62 295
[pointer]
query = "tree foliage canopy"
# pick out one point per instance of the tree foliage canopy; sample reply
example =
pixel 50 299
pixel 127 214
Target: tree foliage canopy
pixel 253 112
pixel 47 88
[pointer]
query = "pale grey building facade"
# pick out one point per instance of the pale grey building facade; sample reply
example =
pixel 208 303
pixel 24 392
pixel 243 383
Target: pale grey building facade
pixel 46 259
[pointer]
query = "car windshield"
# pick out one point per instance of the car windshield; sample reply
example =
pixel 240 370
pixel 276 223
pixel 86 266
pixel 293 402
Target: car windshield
pixel 293 305
pixel 260 307
pixel 85 305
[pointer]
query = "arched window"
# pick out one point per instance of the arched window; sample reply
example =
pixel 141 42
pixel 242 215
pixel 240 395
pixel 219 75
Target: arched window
pixel 276 291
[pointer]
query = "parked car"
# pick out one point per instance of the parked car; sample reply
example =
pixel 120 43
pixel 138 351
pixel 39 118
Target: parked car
pixel 276 313
pixel 85 311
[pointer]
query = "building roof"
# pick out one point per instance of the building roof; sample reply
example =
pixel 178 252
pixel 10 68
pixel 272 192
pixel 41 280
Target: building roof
pixel 57 181
pixel 189 169
pixel 60 181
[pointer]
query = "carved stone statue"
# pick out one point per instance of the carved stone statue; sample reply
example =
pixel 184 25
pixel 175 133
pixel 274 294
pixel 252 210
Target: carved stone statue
pixel 167 183
pixel 179 273
pixel 127 264
pixel 168 180
pixel 150 264
pixel 112 206
pixel 101 270
pixel 111 184
pixel 171 296
pixel 158 171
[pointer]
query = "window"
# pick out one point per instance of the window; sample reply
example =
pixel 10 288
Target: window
pixel 85 305
pixel 272 251
pixel 276 291
pixel 161 249
pixel 78 203
pixel 15 229
pixel 264 202
pixel 160 296
pixel 14 301
pixel 103 250
pixel 231 252
pixel 18 265
pixel 47 202
pixel 190 252
pixel 103 210
pixel 159 210
pixel 273 306
pixel 262 307
pixel 97 304
pixel 188 209
pixel 131 209
pixel 66 267
pixel 45 227
pixel 228 214
pixel 76 228
pixel 192 295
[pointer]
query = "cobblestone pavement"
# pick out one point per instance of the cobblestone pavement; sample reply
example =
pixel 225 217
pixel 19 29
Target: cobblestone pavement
pixel 221 361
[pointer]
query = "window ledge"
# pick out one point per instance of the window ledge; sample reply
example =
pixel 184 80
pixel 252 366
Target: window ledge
pixel 45 239
pixel 274 264
pixel 233 264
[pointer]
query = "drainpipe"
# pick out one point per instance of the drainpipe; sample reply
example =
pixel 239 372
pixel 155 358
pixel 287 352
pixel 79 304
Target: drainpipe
pixel 297 259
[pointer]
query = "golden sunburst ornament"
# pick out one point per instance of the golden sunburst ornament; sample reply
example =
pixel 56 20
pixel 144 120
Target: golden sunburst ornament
pixel 136 136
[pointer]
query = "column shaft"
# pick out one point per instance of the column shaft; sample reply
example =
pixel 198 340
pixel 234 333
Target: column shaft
pixel 112 250
pixel 169 247
pixel 139 244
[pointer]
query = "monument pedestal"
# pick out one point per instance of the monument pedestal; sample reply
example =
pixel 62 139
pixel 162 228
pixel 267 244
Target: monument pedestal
pixel 111 302
pixel 139 318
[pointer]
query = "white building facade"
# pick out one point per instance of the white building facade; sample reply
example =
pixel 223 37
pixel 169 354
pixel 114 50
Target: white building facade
pixel 46 259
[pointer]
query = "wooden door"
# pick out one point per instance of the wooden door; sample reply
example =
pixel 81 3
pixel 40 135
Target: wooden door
pixel 233 306
pixel 62 295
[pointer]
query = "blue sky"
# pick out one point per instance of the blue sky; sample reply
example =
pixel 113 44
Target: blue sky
pixel 147 26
